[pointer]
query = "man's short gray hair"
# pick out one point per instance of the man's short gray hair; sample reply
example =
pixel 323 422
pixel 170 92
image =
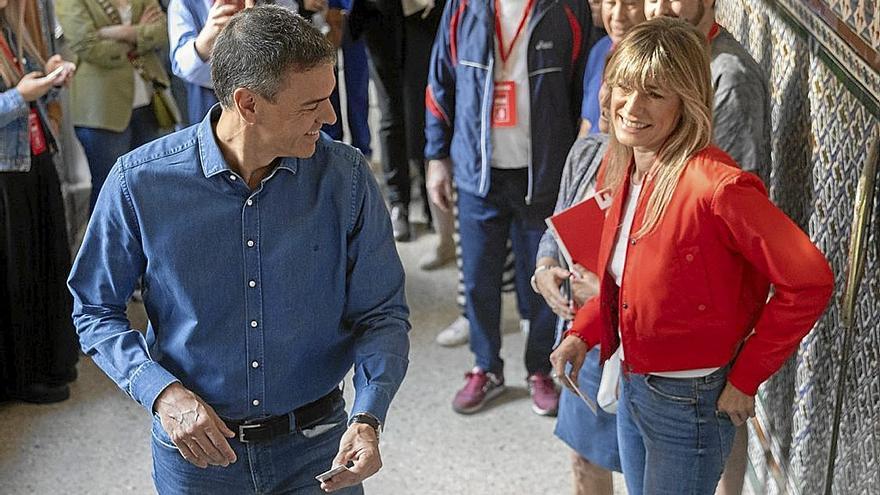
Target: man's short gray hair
pixel 259 46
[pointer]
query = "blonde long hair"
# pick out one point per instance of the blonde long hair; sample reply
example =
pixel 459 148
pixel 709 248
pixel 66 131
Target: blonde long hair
pixel 14 17
pixel 672 55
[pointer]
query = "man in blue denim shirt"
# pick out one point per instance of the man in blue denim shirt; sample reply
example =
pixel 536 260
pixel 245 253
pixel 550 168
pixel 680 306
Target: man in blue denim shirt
pixel 269 271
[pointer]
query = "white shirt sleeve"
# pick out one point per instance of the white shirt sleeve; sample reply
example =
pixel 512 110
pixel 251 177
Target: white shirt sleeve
pixel 182 32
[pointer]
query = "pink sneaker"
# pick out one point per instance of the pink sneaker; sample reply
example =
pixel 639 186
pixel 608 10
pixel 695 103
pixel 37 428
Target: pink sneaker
pixel 545 395
pixel 480 388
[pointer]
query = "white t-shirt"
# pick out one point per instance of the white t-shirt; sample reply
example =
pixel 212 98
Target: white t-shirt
pixel 511 145
pixel 615 268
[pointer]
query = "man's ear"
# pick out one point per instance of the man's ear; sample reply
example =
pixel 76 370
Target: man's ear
pixel 245 102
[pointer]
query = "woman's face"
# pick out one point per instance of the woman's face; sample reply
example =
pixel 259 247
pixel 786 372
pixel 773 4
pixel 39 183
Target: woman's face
pixel 3 4
pixel 644 120
pixel 619 16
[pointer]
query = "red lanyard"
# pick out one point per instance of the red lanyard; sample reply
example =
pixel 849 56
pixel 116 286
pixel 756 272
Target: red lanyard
pixel 522 22
pixel 713 33
pixel 7 51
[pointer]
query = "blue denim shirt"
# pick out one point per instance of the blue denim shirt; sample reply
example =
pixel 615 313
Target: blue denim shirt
pixel 260 301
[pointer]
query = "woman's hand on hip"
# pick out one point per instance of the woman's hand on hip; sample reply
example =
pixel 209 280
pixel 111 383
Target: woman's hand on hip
pixel 571 350
pixel 737 405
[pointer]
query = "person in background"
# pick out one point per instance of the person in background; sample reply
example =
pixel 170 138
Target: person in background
pixel 399 36
pixel 487 130
pixel 357 81
pixel 618 17
pixel 591 436
pixel 117 44
pixel 193 27
pixel 694 344
pixel 38 351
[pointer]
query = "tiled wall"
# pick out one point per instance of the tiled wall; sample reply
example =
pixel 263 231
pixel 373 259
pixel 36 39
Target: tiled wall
pixel 825 111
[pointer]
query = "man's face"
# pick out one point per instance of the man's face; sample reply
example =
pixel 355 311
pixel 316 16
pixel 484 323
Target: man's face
pixel 692 11
pixel 619 16
pixel 595 12
pixel 291 126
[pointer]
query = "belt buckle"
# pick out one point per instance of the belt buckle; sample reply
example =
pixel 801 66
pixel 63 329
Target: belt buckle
pixel 242 429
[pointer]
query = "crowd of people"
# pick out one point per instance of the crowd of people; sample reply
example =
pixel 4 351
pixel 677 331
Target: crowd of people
pixel 508 112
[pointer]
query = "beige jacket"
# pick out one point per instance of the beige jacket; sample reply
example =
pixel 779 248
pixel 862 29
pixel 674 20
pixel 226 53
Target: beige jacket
pixel 102 91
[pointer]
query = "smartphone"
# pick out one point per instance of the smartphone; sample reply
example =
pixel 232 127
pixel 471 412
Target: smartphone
pixel 326 475
pixel 58 70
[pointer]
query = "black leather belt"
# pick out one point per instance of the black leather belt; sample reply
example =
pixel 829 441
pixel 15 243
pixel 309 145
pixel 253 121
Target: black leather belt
pixel 301 418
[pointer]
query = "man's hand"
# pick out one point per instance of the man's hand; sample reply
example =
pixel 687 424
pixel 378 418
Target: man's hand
pixel 194 427
pixel 584 284
pixel 548 282
pixel 739 406
pixel 218 17
pixel 439 183
pixel 571 350
pixel 359 445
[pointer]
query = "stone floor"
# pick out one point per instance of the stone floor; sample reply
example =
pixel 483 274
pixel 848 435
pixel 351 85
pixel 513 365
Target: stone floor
pixel 98 441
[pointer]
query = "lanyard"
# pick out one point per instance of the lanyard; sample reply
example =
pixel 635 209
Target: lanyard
pixel 522 22
pixel 7 52
pixel 713 33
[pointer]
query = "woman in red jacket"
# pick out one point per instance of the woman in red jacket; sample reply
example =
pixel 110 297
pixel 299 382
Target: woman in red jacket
pixel 689 249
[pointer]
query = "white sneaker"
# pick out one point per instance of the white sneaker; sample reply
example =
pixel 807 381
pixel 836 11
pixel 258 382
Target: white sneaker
pixel 457 333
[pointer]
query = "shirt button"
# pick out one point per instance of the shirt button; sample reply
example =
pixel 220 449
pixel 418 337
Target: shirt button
pixel 250 202
pixel 250 243
pixel 689 257
pixel 256 402
pixel 253 323
pixel 252 283
pixel 625 305
pixel 255 365
pixel 632 242
pixel 702 307
pixel 231 177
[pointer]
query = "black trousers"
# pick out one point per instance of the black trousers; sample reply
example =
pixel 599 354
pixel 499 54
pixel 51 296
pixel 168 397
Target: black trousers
pixel 400 51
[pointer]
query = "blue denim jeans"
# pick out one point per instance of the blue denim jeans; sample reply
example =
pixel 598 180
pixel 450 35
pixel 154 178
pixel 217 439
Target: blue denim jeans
pixel 485 224
pixel 285 465
pixel 103 147
pixel 672 440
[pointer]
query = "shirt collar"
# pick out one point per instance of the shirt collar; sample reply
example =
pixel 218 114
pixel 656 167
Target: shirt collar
pixel 210 155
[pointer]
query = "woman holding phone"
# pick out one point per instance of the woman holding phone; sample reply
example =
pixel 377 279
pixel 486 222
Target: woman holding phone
pixel 689 250
pixel 117 42
pixel 38 346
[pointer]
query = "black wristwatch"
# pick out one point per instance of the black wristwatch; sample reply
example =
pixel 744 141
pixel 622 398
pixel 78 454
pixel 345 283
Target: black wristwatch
pixel 367 419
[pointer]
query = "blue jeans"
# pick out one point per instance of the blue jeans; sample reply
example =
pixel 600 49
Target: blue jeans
pixel 357 85
pixel 103 147
pixel 485 224
pixel 672 440
pixel 285 465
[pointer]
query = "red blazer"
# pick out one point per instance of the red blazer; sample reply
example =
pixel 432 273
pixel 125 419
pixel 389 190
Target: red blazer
pixel 696 286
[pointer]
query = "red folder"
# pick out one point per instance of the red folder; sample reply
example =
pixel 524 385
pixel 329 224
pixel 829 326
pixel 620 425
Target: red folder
pixel 578 230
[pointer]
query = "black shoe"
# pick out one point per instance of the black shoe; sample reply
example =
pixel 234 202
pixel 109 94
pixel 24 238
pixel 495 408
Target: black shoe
pixel 400 223
pixel 41 393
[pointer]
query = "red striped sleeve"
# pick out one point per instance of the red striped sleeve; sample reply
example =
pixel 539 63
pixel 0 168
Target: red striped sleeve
pixel 576 34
